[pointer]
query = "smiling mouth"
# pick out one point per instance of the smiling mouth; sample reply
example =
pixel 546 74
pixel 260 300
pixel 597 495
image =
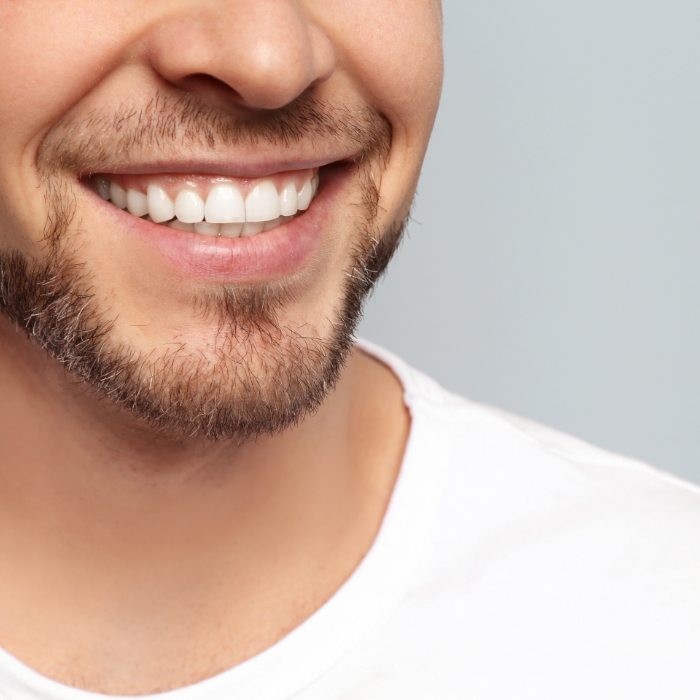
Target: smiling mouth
pixel 211 205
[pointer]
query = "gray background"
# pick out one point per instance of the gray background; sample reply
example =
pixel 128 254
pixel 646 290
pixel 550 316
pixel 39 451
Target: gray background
pixel 552 265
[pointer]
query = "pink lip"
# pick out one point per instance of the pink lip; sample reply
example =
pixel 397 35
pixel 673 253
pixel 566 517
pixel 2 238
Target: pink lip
pixel 266 256
pixel 235 168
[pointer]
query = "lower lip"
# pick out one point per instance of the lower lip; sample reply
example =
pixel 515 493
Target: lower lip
pixel 265 256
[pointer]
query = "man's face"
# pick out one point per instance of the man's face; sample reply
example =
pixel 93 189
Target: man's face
pixel 308 119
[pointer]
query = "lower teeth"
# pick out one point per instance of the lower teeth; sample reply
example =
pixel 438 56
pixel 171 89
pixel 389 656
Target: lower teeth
pixel 233 230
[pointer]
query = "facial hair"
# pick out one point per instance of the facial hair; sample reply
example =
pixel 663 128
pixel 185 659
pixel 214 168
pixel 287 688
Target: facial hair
pixel 263 376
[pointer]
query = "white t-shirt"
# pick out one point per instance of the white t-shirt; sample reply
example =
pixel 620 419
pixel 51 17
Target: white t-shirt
pixel 514 563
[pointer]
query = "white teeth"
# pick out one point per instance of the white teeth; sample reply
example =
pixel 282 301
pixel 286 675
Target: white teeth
pixel 102 187
pixel 269 225
pixel 206 228
pixel 231 230
pixel 250 228
pixel 136 202
pixel 288 200
pixel 305 195
pixel 224 205
pixel 117 195
pixel 262 203
pixel 189 207
pixel 160 206
pixel 225 213
pixel 180 226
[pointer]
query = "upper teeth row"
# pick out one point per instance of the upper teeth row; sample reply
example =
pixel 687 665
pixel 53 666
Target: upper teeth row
pixel 224 204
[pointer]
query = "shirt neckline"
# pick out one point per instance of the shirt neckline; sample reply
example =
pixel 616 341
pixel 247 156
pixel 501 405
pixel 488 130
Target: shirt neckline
pixel 370 593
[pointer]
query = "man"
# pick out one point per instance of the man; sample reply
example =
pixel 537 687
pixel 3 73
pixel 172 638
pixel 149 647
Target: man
pixel 207 487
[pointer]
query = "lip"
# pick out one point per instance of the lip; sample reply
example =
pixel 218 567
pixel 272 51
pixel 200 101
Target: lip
pixel 266 256
pixel 239 167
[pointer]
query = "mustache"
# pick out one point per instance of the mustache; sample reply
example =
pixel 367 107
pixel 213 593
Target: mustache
pixel 170 124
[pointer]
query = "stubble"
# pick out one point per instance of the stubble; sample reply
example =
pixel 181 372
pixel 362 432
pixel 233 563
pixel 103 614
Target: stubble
pixel 262 375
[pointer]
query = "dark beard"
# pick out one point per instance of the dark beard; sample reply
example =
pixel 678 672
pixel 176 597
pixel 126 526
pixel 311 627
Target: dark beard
pixel 260 378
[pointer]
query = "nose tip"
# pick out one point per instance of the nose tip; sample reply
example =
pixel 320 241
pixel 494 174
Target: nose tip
pixel 264 53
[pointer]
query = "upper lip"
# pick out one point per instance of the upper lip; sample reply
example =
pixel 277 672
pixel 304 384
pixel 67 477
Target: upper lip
pixel 235 167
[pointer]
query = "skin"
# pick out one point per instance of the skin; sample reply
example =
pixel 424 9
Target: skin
pixel 170 560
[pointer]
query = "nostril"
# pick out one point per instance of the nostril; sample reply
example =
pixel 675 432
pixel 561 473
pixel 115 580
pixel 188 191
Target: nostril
pixel 206 84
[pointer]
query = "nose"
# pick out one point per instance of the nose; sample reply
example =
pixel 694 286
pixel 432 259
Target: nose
pixel 262 53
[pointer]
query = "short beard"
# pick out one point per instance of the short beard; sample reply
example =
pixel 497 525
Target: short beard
pixel 261 377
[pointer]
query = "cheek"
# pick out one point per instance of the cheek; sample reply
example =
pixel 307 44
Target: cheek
pixel 393 50
pixel 51 54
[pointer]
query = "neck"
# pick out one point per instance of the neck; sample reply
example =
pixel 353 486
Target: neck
pixel 179 538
